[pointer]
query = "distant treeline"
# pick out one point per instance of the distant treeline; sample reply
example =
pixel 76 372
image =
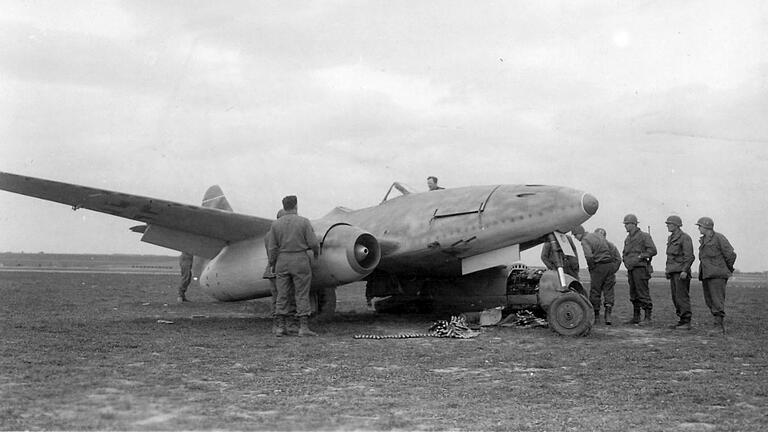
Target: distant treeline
pixel 89 261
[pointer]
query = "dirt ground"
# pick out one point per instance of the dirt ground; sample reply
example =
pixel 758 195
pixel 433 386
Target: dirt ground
pixel 115 352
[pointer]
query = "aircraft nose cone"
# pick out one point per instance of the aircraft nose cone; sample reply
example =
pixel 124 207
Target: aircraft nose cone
pixel 589 204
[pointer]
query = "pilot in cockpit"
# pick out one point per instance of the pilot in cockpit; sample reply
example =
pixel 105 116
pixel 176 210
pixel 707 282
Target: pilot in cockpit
pixel 432 183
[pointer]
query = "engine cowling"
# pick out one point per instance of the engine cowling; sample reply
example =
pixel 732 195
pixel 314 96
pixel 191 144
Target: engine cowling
pixel 347 254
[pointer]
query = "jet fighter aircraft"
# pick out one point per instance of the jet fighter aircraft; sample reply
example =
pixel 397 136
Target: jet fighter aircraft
pixel 456 249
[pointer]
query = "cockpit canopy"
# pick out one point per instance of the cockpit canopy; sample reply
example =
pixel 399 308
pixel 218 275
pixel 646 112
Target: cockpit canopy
pixel 403 188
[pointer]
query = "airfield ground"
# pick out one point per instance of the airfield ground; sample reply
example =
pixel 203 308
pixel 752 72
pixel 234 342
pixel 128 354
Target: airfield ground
pixel 101 351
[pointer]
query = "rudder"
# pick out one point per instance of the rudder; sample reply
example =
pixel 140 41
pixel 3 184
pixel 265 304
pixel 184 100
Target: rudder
pixel 214 198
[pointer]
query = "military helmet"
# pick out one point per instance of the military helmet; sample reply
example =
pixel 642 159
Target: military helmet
pixel 578 230
pixel 706 222
pixel 675 220
pixel 630 218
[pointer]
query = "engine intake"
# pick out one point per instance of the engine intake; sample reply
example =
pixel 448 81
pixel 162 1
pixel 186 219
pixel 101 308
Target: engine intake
pixel 348 254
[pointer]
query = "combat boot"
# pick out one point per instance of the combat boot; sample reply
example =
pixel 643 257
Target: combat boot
pixel 597 317
pixel 681 325
pixel 648 320
pixel 608 316
pixel 279 327
pixel 635 317
pixel 291 325
pixel 304 330
pixel 718 327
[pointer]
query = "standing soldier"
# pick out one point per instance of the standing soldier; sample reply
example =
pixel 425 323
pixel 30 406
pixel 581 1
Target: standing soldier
pixel 269 275
pixel 678 270
pixel 291 238
pixel 185 265
pixel 610 281
pixel 637 254
pixel 600 265
pixel 716 259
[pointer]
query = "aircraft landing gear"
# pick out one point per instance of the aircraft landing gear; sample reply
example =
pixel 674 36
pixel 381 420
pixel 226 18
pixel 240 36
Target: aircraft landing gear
pixel 571 314
pixel 324 303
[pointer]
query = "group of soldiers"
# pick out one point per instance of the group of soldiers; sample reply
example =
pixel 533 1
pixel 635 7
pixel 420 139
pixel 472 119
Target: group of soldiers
pixel 716 261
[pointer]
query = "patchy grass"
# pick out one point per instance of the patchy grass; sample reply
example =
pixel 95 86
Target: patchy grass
pixel 86 352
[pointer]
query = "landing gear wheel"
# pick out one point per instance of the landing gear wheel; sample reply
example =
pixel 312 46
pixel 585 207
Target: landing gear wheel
pixel 571 315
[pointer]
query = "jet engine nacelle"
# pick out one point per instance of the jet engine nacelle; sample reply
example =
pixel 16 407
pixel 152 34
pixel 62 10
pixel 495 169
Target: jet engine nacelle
pixel 347 254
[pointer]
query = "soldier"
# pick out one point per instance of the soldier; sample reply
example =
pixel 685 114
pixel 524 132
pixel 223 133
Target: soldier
pixel 600 264
pixel 291 238
pixel 637 254
pixel 185 265
pixel 432 183
pixel 716 260
pixel 610 281
pixel 268 274
pixel 552 255
pixel 678 271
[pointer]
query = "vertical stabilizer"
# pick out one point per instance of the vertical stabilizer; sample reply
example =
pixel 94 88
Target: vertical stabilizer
pixel 214 198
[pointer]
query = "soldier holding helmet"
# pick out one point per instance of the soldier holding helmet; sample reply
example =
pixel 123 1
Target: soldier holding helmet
pixel 716 260
pixel 678 270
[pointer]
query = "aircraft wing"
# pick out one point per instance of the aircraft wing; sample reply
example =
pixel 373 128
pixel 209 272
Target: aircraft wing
pixel 212 226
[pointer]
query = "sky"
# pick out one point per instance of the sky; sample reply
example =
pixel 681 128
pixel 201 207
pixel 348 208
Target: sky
pixel 654 107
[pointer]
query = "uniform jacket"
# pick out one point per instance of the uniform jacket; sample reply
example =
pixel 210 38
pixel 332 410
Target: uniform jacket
pixel 716 257
pixel 185 261
pixel 679 252
pixel 638 250
pixel 291 233
pixel 615 256
pixel 596 249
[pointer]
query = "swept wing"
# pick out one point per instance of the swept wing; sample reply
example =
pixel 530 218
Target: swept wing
pixel 170 224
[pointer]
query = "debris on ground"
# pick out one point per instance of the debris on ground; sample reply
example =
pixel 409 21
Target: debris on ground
pixel 523 319
pixel 455 328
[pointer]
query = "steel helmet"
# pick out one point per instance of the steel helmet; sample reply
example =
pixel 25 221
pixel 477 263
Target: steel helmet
pixel 675 220
pixel 630 218
pixel 578 230
pixel 706 222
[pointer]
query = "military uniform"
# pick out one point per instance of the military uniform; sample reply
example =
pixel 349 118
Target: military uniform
pixel 549 256
pixel 185 266
pixel 716 260
pixel 292 241
pixel 602 264
pixel 272 277
pixel 679 260
pixel 637 254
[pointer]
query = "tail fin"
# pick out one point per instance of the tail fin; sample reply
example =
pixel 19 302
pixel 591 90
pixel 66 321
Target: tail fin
pixel 214 198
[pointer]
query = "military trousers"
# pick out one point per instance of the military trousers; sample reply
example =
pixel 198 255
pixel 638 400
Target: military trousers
pixel 186 279
pixel 680 289
pixel 294 275
pixel 639 292
pixel 602 281
pixel 714 295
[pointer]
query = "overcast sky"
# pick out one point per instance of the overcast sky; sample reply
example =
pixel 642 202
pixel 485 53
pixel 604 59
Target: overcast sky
pixel 656 108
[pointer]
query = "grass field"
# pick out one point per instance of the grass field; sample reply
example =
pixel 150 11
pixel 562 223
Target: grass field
pixel 86 351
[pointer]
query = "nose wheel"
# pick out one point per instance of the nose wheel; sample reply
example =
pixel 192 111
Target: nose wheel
pixel 571 314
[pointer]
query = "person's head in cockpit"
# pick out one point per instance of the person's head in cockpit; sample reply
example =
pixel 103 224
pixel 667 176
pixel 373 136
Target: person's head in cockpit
pixel 432 183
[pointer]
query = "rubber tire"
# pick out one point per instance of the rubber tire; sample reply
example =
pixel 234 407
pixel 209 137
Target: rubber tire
pixel 571 314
